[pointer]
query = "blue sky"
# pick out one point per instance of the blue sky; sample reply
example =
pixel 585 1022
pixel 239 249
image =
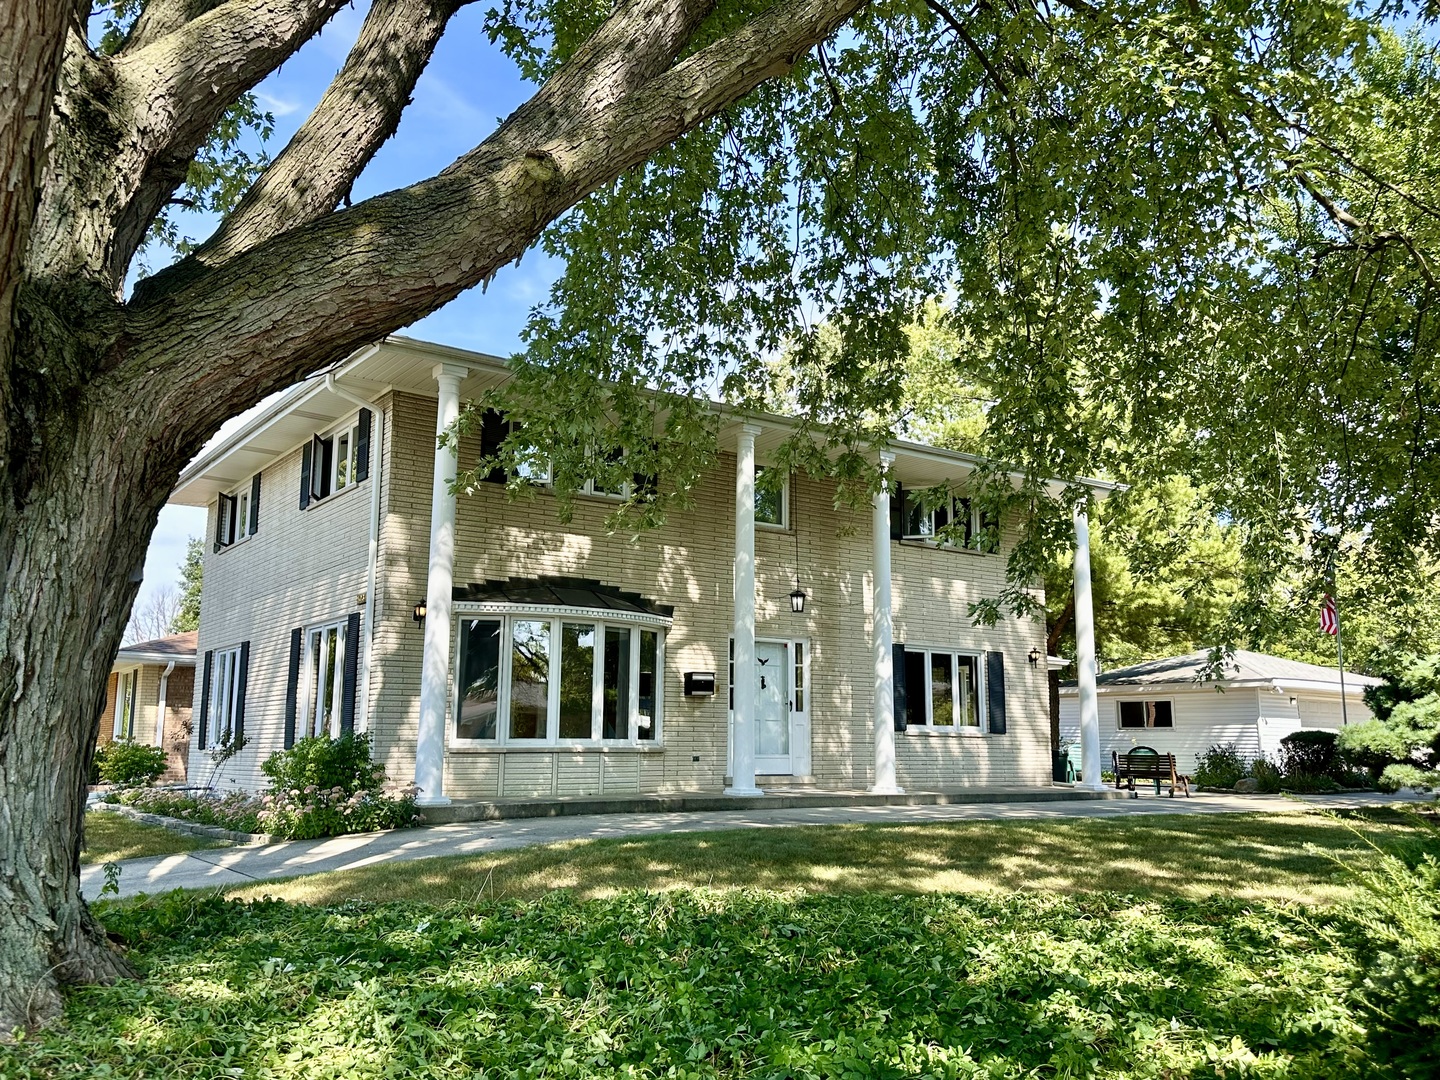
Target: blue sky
pixel 466 89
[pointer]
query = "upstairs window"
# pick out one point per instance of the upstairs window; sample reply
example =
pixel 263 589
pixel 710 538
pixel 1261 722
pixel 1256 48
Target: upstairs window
pixel 926 515
pixel 1147 714
pixel 238 514
pixel 335 460
pixel 534 466
pixel 772 504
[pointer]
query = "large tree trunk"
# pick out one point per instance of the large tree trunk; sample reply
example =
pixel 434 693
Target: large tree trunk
pixel 102 401
pixel 74 526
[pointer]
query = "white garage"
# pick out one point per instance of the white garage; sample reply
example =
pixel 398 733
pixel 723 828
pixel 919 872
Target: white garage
pixel 1165 704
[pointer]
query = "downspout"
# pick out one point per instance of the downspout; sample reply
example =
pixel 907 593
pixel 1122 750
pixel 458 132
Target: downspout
pixel 377 440
pixel 160 705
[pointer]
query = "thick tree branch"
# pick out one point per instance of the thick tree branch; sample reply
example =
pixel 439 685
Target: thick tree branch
pixel 359 111
pixel 31 49
pixel 162 18
pixel 312 295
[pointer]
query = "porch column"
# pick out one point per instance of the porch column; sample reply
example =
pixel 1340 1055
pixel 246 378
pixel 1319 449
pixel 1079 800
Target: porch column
pixel 883 636
pixel 435 671
pixel 1090 764
pixel 742 731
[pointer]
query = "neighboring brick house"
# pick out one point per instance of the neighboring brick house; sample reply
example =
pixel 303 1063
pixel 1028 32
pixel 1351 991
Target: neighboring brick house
pixel 149 696
pixel 554 659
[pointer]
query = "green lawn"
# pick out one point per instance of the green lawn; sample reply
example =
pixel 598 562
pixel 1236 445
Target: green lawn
pixel 111 837
pixel 1044 949
pixel 1249 857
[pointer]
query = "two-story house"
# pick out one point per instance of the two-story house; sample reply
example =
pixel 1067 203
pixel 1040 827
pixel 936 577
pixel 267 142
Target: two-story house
pixel 492 651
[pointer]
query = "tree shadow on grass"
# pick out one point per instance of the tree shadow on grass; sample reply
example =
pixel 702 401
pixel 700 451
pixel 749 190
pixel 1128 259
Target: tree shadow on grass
pixel 740 982
pixel 1277 857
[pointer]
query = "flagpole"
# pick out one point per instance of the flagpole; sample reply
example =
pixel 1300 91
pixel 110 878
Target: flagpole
pixel 1339 643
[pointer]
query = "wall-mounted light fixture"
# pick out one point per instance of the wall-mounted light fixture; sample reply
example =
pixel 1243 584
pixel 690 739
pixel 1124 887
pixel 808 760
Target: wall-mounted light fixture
pixel 420 611
pixel 1034 657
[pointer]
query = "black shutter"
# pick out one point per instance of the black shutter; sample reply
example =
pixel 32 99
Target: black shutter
pixel 292 688
pixel 238 726
pixel 493 430
pixel 362 446
pixel 255 504
pixel 897 668
pixel 995 691
pixel 320 466
pixel 205 696
pixel 897 513
pixel 352 670
pixel 305 453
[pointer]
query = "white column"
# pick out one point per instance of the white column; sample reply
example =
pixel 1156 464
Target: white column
pixel 883 636
pixel 1090 764
pixel 435 672
pixel 742 731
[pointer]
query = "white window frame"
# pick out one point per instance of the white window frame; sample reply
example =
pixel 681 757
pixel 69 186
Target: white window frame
pixel 330 478
pixel 555 618
pixel 224 694
pixel 127 694
pixel 927 520
pixel 981 726
pixel 783 525
pixel 310 672
pixel 233 510
pixel 1149 724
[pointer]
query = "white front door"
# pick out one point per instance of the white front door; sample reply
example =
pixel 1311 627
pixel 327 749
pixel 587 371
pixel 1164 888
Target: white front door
pixel 772 708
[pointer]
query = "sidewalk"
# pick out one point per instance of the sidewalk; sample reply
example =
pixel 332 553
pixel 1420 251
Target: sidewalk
pixel 219 867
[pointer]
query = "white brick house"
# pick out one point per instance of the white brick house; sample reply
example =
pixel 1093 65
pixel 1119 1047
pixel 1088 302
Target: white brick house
pixel 559 660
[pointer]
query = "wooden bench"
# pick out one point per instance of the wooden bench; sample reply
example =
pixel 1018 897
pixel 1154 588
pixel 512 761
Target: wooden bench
pixel 1145 763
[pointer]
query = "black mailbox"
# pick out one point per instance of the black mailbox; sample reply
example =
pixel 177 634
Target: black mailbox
pixel 699 684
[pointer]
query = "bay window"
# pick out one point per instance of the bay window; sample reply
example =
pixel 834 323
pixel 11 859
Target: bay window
pixel 560 680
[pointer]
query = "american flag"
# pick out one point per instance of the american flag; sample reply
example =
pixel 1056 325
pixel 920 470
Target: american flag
pixel 1329 617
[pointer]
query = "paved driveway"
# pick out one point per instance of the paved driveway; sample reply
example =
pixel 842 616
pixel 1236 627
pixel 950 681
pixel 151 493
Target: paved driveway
pixel 218 867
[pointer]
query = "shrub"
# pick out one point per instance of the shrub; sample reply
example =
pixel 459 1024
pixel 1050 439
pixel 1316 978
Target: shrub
pixel 1372 745
pixel 1396 777
pixel 128 764
pixel 1301 784
pixel 1397 985
pixel 324 787
pixel 1268 777
pixel 1307 753
pixel 236 811
pixel 1220 766
pixel 321 763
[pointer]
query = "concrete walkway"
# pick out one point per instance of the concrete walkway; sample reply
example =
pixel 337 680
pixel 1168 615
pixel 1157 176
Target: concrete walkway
pixel 219 867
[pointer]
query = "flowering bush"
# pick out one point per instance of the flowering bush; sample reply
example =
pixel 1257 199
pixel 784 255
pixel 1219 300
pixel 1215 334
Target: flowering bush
pixel 312 811
pixel 323 787
pixel 236 811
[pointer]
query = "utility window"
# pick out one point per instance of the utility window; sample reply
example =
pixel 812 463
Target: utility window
pixel 1147 714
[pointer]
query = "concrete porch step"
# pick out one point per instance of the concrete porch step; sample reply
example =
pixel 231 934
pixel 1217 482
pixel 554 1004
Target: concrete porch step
pixel 705 801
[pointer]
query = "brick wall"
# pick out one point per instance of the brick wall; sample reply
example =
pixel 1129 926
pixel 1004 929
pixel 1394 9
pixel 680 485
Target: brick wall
pixel 305 567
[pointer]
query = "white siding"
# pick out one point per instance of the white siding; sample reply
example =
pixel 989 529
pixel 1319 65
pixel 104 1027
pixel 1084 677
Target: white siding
pixel 1320 710
pixel 1203 718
